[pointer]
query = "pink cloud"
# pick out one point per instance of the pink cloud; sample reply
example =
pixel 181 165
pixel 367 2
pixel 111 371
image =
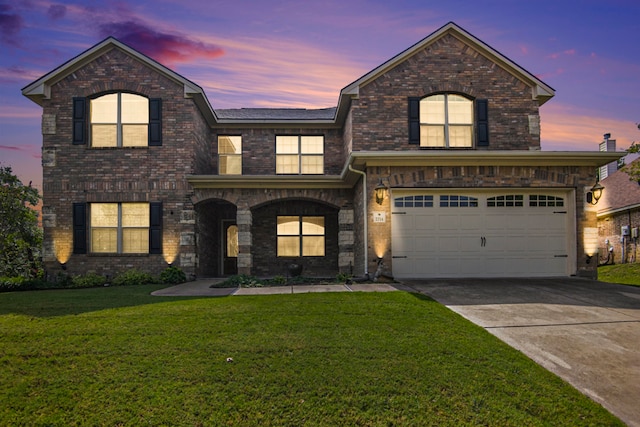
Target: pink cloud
pixel 566 128
pixel 166 48
pixel 28 149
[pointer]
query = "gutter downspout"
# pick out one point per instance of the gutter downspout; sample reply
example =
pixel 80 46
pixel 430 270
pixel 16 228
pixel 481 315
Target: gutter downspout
pixel 366 218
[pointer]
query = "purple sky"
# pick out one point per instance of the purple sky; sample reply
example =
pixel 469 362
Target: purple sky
pixel 292 53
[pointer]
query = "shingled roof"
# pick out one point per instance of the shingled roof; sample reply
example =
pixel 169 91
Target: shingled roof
pixel 620 193
pixel 276 114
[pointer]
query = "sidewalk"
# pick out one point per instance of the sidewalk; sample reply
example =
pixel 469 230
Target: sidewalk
pixel 202 288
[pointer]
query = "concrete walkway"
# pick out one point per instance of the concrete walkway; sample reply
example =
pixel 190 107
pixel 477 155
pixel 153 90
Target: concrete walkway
pixel 584 331
pixel 202 288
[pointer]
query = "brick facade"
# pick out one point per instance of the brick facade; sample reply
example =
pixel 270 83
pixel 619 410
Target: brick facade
pixel 79 173
pixel 198 205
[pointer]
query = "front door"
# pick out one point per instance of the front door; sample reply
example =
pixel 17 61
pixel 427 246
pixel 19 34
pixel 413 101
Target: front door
pixel 229 248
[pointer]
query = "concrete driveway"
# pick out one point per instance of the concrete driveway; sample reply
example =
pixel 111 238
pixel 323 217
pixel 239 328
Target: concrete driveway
pixel 586 332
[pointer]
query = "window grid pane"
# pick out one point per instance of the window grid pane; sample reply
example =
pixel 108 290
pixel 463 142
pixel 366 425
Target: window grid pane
pixel 135 135
pixel 135 240
pixel 311 144
pixel 135 109
pixel 230 164
pixel 229 145
pixel 289 246
pixel 104 240
pixel 287 164
pixel 312 245
pixel 312 164
pixel 104 135
pixel 287 145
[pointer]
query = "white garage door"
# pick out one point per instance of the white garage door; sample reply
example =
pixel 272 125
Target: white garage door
pixel 466 234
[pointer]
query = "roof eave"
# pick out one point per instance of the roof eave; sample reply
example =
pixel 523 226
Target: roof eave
pixel 540 90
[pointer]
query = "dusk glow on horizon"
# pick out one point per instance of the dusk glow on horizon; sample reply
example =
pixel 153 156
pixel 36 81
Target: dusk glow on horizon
pixel 291 54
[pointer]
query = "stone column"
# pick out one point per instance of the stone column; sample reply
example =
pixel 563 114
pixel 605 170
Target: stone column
pixel 245 257
pixel 345 241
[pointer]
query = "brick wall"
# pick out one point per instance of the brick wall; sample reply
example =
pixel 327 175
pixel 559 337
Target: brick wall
pixel 609 229
pixel 578 178
pixel 79 173
pixel 380 115
pixel 259 148
pixel 265 259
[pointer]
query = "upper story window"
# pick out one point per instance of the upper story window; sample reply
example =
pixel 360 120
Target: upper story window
pixel 300 155
pixel 229 155
pixel 119 120
pixel 446 121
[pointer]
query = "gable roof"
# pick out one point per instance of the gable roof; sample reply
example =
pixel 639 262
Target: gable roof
pixel 41 88
pixel 539 90
pixel 620 193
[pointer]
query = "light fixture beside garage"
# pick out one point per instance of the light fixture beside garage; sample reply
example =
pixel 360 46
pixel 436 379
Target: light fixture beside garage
pixel 596 192
pixel 379 191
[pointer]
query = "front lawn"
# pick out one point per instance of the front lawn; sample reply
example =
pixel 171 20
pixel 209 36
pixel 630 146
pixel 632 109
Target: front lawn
pixel 120 357
pixel 626 274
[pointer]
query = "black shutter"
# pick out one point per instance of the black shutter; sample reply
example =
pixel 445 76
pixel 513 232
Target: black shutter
pixel 155 228
pixel 79 121
pixel 155 121
pixel 414 120
pixel 482 122
pixel 79 228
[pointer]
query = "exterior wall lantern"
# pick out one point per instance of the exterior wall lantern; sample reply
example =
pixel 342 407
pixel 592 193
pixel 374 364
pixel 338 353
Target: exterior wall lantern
pixel 596 192
pixel 380 190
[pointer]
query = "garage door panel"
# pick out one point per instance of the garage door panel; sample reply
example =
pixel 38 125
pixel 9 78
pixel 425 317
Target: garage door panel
pixel 482 241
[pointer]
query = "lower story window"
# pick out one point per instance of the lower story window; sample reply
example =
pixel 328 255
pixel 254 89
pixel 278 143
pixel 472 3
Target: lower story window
pixel 300 236
pixel 119 228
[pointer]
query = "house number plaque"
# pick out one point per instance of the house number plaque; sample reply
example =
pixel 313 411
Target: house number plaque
pixel 379 217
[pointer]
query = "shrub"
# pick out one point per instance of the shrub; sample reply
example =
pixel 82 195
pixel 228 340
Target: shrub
pixel 10 284
pixel 89 280
pixel 132 278
pixel 241 281
pixel 279 280
pixel 173 275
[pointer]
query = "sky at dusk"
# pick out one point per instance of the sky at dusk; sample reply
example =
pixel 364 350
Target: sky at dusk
pixel 299 53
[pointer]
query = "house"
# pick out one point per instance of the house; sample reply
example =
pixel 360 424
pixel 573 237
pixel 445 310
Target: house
pixel 428 166
pixel 619 219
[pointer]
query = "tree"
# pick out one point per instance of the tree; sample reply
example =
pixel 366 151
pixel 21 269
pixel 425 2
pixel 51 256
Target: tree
pixel 633 169
pixel 20 236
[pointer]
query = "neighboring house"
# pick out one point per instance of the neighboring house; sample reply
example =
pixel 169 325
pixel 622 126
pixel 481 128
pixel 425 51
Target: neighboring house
pixel 619 219
pixel 430 163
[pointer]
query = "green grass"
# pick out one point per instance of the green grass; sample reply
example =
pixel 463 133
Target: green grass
pixel 626 274
pixel 119 357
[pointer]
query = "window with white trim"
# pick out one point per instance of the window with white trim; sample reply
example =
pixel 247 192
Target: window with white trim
pixel 121 228
pixel 300 236
pixel 229 155
pixel 119 120
pixel 300 154
pixel 446 121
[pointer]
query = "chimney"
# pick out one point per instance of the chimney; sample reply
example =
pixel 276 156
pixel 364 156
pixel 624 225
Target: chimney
pixel 608 145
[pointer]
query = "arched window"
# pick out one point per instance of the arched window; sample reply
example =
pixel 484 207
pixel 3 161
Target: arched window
pixel 119 120
pixel 446 121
